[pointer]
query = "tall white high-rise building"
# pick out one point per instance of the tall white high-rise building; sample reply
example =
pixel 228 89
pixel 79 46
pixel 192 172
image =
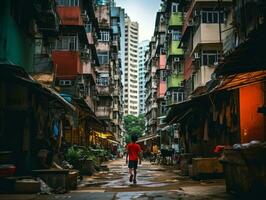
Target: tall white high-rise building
pixel 131 72
pixel 143 47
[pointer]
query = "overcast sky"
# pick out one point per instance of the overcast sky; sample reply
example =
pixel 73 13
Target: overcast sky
pixel 144 12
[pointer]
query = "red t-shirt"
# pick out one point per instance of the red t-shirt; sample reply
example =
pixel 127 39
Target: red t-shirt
pixel 133 150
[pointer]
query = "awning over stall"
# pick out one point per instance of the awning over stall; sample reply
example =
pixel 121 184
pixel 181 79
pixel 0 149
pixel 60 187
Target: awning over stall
pixel 247 57
pixel 15 74
pixel 104 135
pixel 148 137
pixel 113 141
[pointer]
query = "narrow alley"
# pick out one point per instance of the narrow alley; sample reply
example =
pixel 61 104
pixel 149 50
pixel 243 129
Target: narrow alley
pixel 155 182
pixel 93 92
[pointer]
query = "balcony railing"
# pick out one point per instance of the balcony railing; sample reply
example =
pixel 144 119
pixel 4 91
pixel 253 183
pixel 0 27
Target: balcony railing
pixel 206 34
pixel 174 80
pixel 116 107
pixel 176 19
pixel 116 92
pixel 103 111
pixel 67 63
pixel 161 89
pixel 162 62
pixel 70 15
pixel 104 90
pixel 202 76
pixel 174 50
pixel 162 28
pixel 89 69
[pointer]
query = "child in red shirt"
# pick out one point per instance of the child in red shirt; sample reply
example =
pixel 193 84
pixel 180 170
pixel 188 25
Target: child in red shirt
pixel 133 155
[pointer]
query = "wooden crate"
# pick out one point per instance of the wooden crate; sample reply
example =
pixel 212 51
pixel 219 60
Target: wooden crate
pixel 206 167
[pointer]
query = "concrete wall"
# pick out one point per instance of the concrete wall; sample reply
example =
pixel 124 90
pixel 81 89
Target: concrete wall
pixel 206 34
pixel 202 76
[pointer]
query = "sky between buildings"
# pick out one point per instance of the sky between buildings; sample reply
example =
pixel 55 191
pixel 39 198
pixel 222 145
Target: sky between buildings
pixel 144 12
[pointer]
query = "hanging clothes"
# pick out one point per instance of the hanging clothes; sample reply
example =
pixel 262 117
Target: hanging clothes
pixel 206 135
pixel 221 115
pixel 228 116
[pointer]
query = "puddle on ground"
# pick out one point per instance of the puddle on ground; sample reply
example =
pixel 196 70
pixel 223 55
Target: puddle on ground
pixel 129 195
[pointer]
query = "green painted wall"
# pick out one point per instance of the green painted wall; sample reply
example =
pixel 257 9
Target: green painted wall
pixel 174 80
pixel 16 46
pixel 174 50
pixel 176 19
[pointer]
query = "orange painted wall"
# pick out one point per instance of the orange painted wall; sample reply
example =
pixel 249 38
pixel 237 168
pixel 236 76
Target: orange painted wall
pixel 162 61
pixel 161 89
pixel 67 64
pixel 252 124
pixel 188 68
pixel 70 15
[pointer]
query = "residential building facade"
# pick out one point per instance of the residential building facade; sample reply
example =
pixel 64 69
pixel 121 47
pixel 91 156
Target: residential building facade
pixel 131 71
pixel 151 89
pixel 143 47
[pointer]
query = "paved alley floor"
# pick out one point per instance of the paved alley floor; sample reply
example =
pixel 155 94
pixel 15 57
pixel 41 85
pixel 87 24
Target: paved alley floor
pixel 153 183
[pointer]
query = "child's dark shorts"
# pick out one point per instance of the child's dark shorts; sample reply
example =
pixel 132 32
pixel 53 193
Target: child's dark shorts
pixel 133 164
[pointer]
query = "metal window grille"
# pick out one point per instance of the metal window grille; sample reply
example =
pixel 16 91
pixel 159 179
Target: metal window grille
pixel 69 43
pixel 104 36
pixel 211 17
pixel 68 2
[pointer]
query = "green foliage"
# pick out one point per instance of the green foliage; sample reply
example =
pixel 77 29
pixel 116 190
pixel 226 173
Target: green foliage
pixel 133 125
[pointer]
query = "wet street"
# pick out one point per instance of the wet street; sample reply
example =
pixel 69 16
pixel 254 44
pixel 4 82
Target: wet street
pixel 154 183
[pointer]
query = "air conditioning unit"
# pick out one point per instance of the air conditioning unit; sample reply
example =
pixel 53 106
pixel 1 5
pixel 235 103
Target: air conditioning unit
pixel 215 63
pixel 196 55
pixel 191 23
pixel 84 12
pixel 196 13
pixel 81 82
pixel 65 82
pixel 81 87
pixel 176 59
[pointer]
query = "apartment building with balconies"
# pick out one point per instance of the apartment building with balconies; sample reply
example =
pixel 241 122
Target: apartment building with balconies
pixel 74 54
pixel 117 23
pixel 151 89
pixel 160 33
pixel 174 54
pixel 105 69
pixel 202 40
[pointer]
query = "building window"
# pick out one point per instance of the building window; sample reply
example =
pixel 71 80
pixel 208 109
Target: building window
pixel 211 17
pixel 163 107
pixel 67 2
pixel 176 35
pixel 177 97
pixel 162 75
pixel 103 79
pixel 104 36
pixel 65 82
pixel 174 7
pixel 88 28
pixel 103 58
pixel 69 43
pixel 209 57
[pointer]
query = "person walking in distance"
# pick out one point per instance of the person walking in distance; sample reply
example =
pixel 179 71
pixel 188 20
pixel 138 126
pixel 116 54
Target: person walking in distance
pixel 132 158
